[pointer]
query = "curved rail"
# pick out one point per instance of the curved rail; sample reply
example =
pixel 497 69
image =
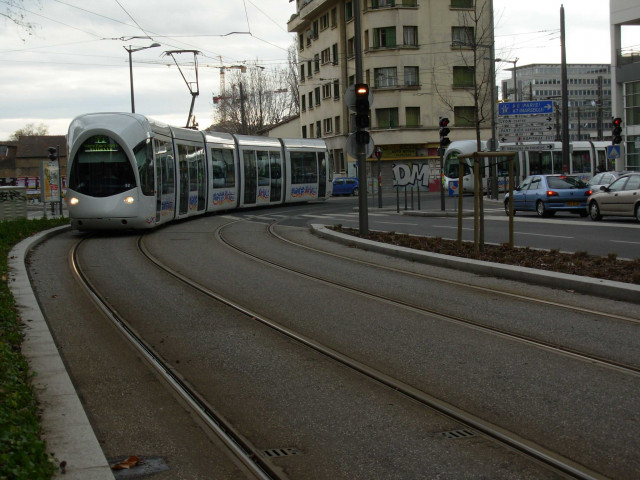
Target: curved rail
pixel 249 456
pixel 551 459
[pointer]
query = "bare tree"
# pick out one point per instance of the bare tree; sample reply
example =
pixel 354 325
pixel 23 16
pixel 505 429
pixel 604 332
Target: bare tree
pixel 267 99
pixel 13 11
pixel 29 130
pixel 474 74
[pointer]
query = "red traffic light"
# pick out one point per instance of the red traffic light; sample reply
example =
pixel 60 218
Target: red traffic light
pixel 444 122
pixel 617 122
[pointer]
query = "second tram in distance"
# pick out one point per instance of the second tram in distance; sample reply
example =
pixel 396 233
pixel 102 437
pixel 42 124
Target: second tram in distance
pixel 127 171
pixel 586 159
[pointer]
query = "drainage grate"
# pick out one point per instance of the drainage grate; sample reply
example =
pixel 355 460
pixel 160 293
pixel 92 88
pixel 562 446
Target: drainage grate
pixel 281 452
pixel 458 434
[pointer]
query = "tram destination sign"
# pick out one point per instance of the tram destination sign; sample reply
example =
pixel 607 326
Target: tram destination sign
pixel 541 107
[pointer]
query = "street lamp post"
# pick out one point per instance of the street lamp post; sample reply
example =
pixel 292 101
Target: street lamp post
pixel 514 77
pixel 130 50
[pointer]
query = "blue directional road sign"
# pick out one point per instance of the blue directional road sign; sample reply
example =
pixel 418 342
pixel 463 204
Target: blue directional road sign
pixel 525 108
pixel 613 151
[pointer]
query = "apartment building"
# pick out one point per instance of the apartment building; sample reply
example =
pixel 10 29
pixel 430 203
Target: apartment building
pixel 589 88
pixel 626 78
pixel 418 61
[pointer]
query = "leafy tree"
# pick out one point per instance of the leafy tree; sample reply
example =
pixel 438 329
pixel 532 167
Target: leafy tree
pixel 29 130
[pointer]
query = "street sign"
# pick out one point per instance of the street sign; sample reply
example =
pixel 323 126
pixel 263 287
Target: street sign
pixel 527 130
pixel 526 138
pixel 516 120
pixel 352 146
pixel 525 108
pixel 538 147
pixel 613 152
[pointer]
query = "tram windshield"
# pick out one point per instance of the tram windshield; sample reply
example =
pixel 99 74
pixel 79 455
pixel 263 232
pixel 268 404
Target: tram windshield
pixel 101 168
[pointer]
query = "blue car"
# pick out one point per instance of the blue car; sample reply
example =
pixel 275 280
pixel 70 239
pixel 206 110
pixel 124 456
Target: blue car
pixel 345 186
pixel 548 194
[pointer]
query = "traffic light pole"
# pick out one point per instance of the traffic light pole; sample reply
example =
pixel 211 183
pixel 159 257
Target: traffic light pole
pixel 361 149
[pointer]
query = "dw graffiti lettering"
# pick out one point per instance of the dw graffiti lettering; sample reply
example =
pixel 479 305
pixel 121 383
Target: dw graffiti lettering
pixel 9 195
pixel 403 175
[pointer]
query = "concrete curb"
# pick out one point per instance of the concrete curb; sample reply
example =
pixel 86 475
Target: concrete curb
pixel 591 286
pixel 67 430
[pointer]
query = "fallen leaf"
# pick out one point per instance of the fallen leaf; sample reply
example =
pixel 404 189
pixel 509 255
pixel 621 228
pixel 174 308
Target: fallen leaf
pixel 132 461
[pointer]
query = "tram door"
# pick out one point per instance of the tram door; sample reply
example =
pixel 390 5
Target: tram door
pixel 165 180
pixel 276 176
pixel 250 176
pixel 183 179
pixel 322 178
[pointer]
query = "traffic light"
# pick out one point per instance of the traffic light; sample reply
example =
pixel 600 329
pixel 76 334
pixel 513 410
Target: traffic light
pixel 616 137
pixel 444 131
pixel 53 154
pixel 362 106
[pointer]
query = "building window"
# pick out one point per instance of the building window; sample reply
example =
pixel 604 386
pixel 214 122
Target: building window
pixel 352 79
pixel 410 36
pixel 316 63
pixel 315 29
pixel 386 77
pixel 326 90
pixel 311 130
pixel 324 21
pixel 350 47
pixel 303 102
pixel 304 131
pixel 383 3
pixel 310 100
pixel 325 55
pixel 334 49
pixel 336 122
pixel 411 77
pixel 462 36
pixel 348 11
pixel 413 116
pixel 301 41
pixel 334 17
pixel 461 3
pixel 302 72
pixel 336 89
pixel 317 96
pixel 384 37
pixel 463 77
pixel 387 117
pixel 328 125
pixel 318 129
pixel 464 116
pixel 309 68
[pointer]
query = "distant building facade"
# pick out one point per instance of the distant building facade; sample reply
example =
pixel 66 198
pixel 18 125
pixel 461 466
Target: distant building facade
pixel 589 88
pixel 626 78
pixel 23 158
pixel 416 60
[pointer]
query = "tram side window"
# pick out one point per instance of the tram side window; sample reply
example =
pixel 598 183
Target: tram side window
pixel 222 168
pixel 263 168
pixel 164 164
pixel 304 167
pixel 581 162
pixel 540 163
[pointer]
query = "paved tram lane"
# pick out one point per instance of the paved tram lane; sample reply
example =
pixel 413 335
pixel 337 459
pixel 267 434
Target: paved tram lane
pixel 130 411
pixel 282 395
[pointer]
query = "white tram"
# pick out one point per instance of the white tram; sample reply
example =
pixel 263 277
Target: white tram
pixel 586 159
pixel 127 171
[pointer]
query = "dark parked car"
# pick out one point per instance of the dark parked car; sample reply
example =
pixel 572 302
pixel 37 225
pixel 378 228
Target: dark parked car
pixel 548 194
pixel 345 186
pixel 621 198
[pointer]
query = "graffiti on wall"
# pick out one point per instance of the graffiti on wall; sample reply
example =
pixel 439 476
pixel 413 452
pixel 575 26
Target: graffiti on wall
pixel 408 175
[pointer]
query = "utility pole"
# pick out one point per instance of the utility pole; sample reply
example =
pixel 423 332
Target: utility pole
pixel 363 213
pixel 565 93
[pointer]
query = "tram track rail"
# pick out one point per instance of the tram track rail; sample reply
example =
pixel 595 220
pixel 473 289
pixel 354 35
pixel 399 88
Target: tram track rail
pixel 526 339
pixel 249 456
pixel 529 449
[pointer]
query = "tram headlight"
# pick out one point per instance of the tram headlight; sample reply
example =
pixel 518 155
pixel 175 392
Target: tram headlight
pixel 73 201
pixel 129 200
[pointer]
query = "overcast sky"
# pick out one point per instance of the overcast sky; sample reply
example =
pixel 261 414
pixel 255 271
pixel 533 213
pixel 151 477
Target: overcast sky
pixel 75 61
